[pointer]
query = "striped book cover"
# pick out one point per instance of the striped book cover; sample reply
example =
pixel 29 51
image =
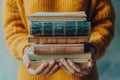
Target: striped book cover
pixel 58 48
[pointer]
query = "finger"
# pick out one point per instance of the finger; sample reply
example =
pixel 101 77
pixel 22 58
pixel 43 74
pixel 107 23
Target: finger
pixel 78 74
pixel 81 73
pixel 87 70
pixel 64 62
pixel 64 68
pixel 41 68
pixel 55 68
pixel 48 69
pixel 73 65
pixel 26 61
pixel 77 68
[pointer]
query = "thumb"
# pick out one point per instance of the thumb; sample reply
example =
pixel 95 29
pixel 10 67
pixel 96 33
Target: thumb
pixel 26 61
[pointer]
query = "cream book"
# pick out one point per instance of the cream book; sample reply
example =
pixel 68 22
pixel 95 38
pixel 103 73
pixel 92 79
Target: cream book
pixel 58 16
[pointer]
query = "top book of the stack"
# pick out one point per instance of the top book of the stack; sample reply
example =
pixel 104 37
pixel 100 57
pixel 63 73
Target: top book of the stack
pixel 59 27
pixel 58 16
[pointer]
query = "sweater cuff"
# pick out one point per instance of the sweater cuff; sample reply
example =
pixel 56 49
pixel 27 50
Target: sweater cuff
pixel 20 48
pixel 96 41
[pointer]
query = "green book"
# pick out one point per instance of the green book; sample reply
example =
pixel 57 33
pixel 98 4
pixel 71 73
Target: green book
pixel 60 28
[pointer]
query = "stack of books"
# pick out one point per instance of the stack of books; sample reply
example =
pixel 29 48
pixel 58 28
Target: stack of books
pixel 58 35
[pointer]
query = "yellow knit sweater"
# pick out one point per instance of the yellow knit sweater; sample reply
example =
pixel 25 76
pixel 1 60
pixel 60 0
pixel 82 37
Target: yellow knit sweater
pixel 16 28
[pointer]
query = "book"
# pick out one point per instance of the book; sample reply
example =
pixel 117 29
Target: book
pixel 36 64
pixel 58 39
pixel 57 16
pixel 60 28
pixel 81 57
pixel 59 48
pixel 52 14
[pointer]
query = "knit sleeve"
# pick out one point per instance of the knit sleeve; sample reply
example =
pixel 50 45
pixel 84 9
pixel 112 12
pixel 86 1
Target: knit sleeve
pixel 102 26
pixel 14 29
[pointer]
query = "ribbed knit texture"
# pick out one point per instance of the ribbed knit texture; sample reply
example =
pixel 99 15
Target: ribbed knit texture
pixel 16 28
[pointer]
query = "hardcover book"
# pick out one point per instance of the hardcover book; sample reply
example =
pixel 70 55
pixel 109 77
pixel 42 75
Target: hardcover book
pixel 58 39
pixel 77 57
pixel 58 16
pixel 59 28
pixel 59 48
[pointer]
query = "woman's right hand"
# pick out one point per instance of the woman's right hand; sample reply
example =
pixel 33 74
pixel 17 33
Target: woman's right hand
pixel 47 68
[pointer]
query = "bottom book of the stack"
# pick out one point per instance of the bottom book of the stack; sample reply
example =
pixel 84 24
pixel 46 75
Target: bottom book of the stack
pixel 37 59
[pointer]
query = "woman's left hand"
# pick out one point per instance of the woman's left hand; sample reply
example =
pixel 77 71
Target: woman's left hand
pixel 75 68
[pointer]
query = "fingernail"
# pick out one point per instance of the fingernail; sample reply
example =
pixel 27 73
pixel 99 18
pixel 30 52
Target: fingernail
pixel 46 64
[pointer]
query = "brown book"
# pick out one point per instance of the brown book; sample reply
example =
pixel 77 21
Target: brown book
pixel 58 39
pixel 58 48
pixel 36 64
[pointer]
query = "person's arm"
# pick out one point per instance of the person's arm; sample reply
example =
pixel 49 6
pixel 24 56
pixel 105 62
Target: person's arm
pixel 14 29
pixel 16 39
pixel 102 26
pixel 101 36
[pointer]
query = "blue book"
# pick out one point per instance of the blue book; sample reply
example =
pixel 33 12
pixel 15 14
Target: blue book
pixel 60 28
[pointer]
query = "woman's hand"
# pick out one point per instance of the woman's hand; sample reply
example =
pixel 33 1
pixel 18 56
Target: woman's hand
pixel 75 68
pixel 47 68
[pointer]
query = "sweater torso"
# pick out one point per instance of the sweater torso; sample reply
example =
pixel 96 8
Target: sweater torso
pixel 55 6
pixel 16 27
pixel 33 6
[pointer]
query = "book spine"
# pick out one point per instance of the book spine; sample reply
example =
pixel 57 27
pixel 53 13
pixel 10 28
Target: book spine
pixel 60 28
pixel 58 40
pixel 58 48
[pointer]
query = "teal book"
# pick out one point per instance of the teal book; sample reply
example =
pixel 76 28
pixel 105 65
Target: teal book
pixel 60 28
